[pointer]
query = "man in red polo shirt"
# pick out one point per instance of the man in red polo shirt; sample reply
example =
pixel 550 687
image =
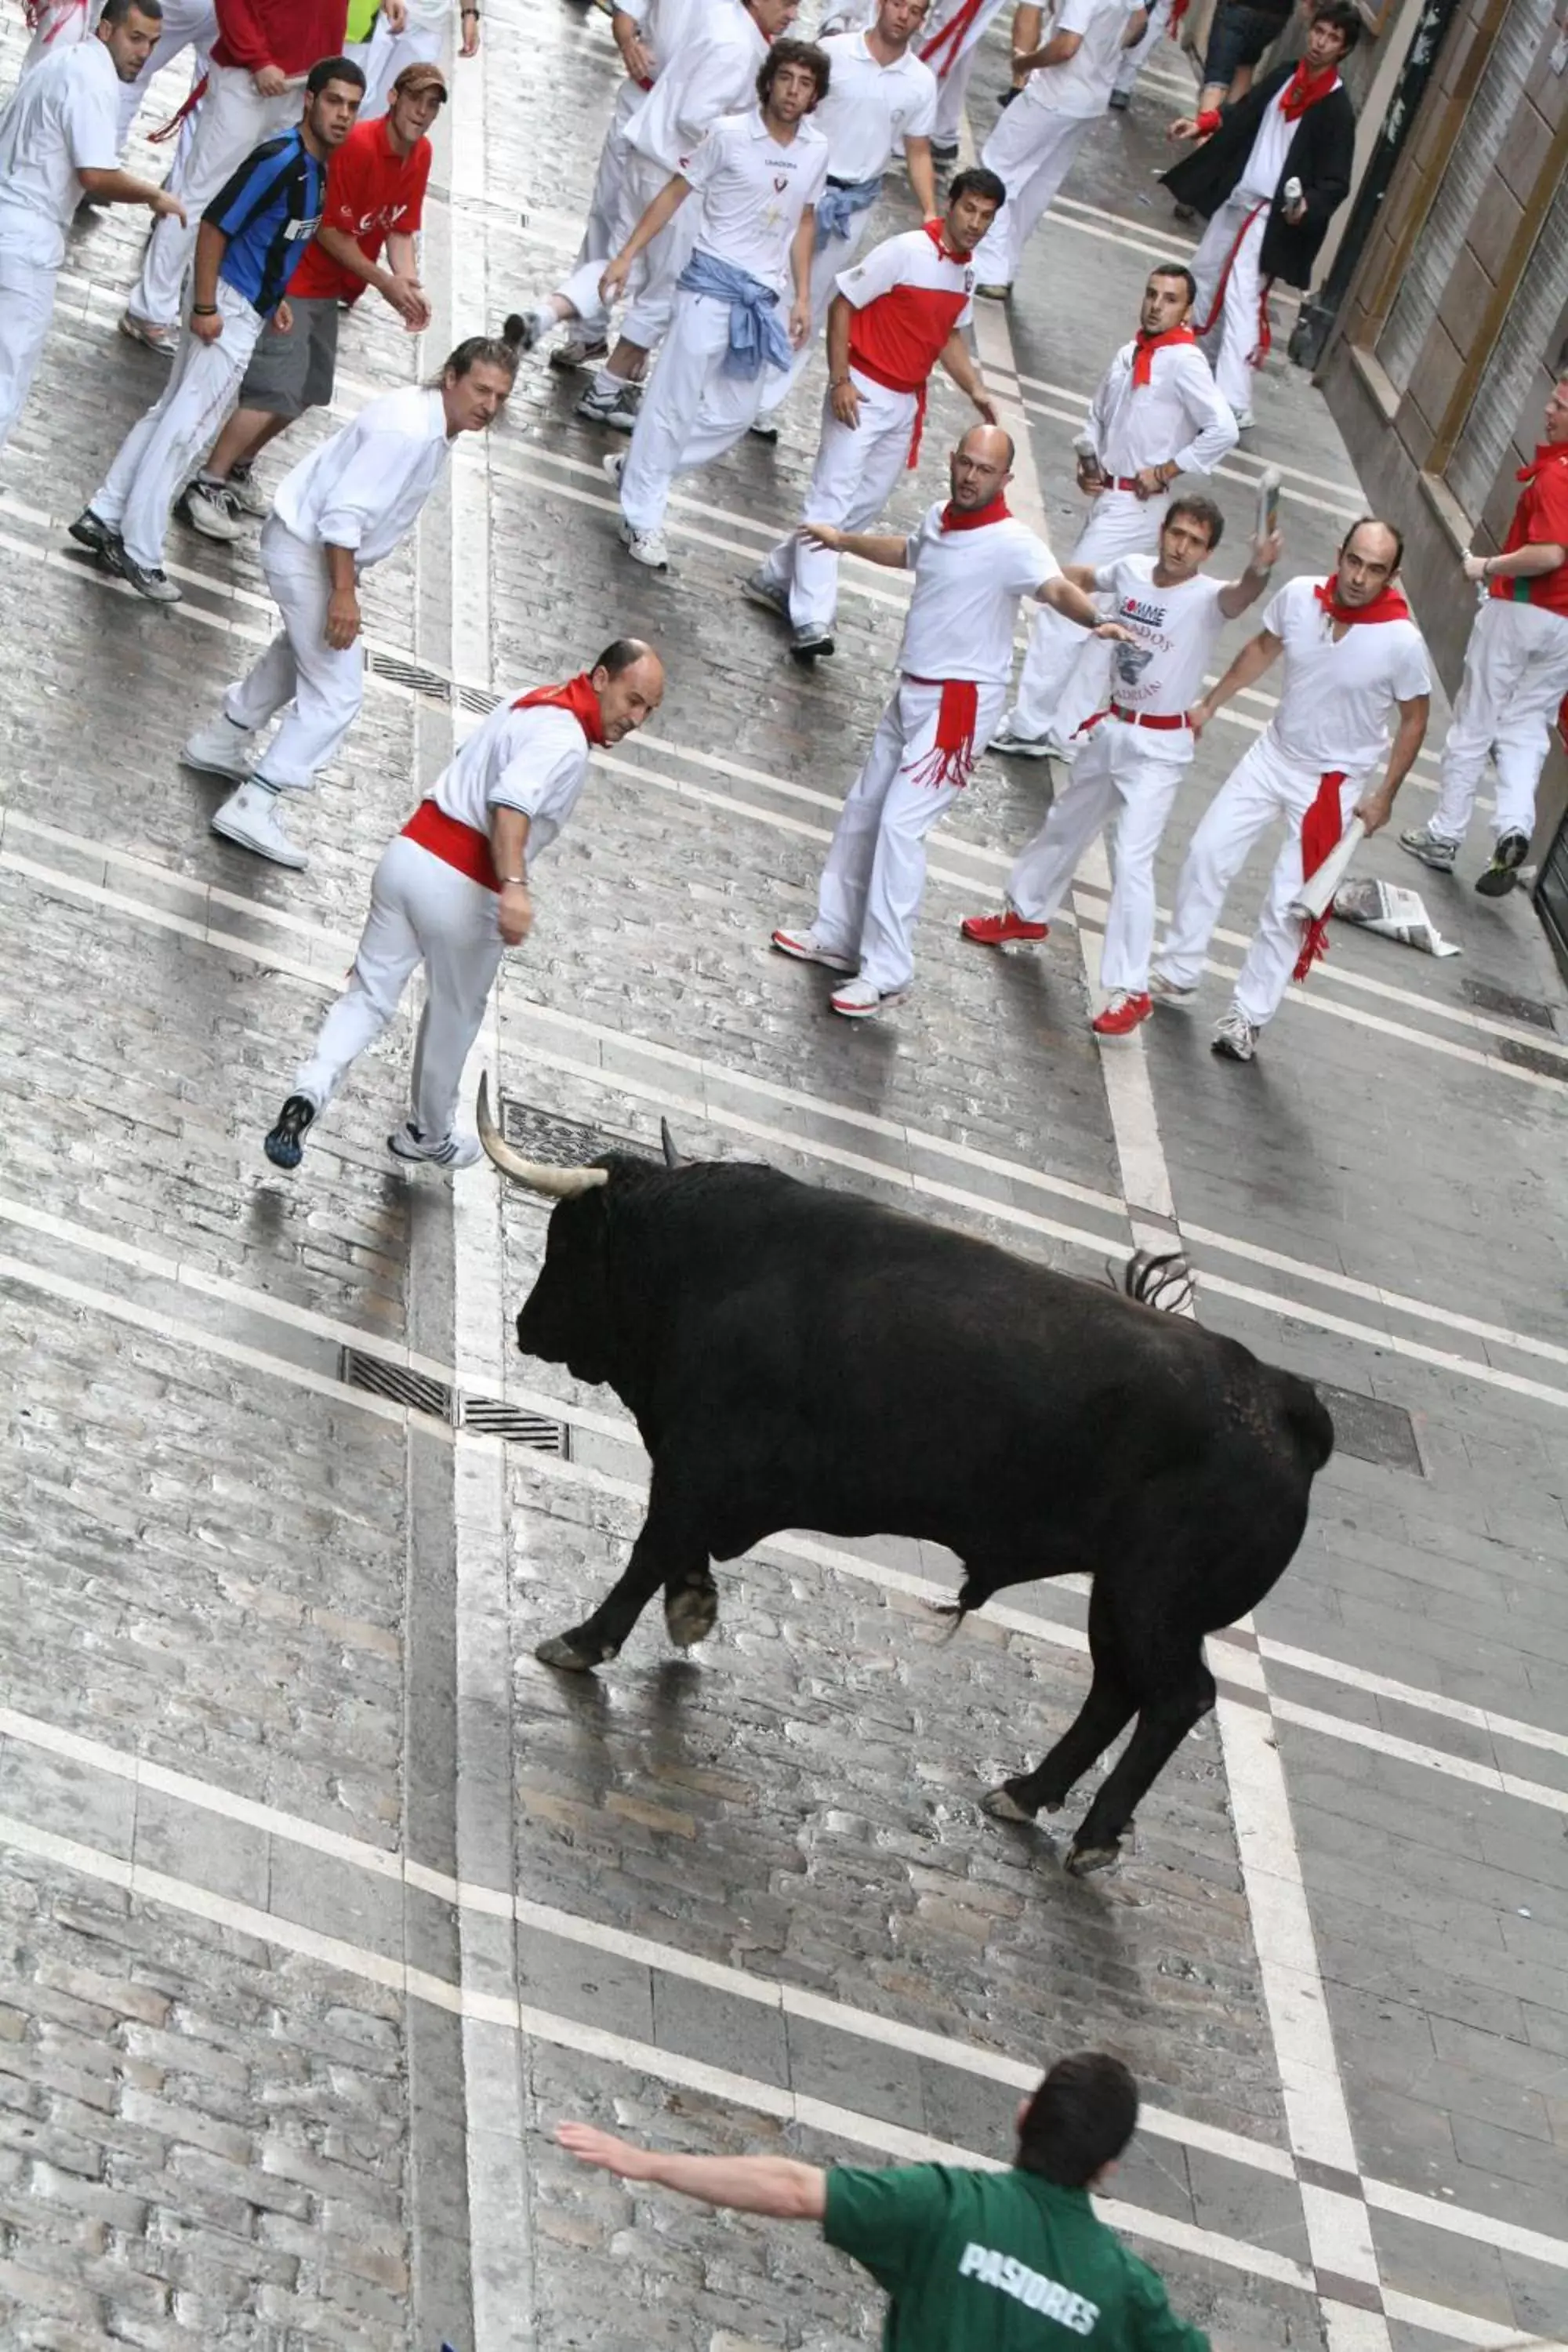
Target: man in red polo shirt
pixel 375 199
pixel 1516 672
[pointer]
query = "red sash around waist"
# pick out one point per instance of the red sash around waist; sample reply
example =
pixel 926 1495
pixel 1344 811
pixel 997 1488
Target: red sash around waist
pixel 455 843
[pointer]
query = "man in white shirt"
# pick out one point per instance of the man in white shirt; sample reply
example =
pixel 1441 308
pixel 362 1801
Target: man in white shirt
pixel 343 508
pixel 451 892
pixel 1156 414
pixel 878 94
pixel 1033 145
pixel 1352 653
pixel 58 143
pixel 1140 747
pixel 973 563
pixel 759 176
pixel 897 314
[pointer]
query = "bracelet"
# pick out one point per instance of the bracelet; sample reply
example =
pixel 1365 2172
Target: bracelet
pixel 511 881
pixel 204 309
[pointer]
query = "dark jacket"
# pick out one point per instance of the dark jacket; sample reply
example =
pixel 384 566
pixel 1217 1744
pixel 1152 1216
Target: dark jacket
pixel 1321 156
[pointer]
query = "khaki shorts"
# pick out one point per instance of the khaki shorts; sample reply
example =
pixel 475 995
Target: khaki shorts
pixel 289 373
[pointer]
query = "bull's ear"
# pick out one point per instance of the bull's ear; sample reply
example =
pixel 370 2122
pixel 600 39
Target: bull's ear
pixel 672 1157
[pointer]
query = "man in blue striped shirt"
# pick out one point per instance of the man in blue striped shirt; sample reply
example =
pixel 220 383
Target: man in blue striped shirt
pixel 252 237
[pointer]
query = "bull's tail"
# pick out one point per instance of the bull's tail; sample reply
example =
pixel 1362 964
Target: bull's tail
pixel 1157 1278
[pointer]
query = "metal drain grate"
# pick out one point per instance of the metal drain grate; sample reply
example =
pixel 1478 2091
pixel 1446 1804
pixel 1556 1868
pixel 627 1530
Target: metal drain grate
pixel 1538 1058
pixel 1487 996
pixel 1371 1430
pixel 411 675
pixel 477 698
pixel 539 1134
pixel 399 1385
pixel 492 1418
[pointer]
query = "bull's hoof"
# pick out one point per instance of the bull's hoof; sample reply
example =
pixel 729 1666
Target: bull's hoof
pixel 1005 1806
pixel 691 1614
pixel 1082 1859
pixel 561 1650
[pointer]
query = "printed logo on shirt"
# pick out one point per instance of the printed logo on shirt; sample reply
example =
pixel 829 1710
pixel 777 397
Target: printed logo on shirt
pixel 296 230
pixel 1031 2288
pixel 780 184
pixel 384 216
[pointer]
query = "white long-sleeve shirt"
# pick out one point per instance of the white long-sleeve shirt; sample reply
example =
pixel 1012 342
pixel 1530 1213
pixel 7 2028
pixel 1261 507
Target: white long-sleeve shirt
pixel 1176 418
pixel 364 488
pixel 62 120
pixel 534 760
pixel 714 74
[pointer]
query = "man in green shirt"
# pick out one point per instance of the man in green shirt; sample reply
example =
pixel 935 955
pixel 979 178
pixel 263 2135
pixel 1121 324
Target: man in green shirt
pixel 974 2261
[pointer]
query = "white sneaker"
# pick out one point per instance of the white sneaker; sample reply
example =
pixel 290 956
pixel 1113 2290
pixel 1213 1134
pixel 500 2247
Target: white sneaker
pixel 613 463
pixel 221 750
pixel 806 948
pixel 208 508
pixel 758 589
pixel 1245 419
pixel 580 350
pixel 617 409
pixel 1170 992
pixel 1430 848
pixel 648 548
pixel 247 494
pixel 1020 747
pixel 861 1000
pixel 1234 1037
pixel 410 1142
pixel 251 817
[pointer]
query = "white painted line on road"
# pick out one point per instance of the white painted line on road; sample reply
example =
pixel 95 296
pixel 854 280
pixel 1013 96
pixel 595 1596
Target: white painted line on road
pixel 1456 1710
pixel 1411 1752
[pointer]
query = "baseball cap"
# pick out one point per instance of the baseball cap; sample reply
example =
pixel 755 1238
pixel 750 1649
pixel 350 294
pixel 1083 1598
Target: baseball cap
pixel 422 77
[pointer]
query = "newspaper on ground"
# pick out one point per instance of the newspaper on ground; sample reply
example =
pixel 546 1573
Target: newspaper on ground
pixel 1394 913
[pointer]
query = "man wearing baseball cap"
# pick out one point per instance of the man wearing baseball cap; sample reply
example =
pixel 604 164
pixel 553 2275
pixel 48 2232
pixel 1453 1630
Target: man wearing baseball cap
pixel 374 201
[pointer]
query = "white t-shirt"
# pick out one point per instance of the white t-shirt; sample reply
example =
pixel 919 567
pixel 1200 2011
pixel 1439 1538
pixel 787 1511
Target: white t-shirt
pixel 364 488
pixel 1263 167
pixel 1082 86
pixel 753 193
pixel 714 74
pixel 870 107
pixel 968 585
pixel 1177 630
pixel 1177 417
pixel 1336 699
pixel 534 760
pixel 63 120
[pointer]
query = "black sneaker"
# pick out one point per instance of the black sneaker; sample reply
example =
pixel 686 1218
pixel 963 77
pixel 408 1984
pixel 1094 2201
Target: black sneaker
pixel 284 1144
pixel 89 532
pixel 1509 855
pixel 520 332
pixel 944 152
pixel 763 430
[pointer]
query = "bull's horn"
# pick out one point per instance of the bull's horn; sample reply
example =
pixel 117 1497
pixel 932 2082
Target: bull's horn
pixel 672 1157
pixel 560 1183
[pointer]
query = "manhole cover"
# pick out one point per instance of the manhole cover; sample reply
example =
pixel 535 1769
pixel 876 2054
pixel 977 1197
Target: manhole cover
pixel 1487 996
pixel 561 1142
pixel 1538 1058
pixel 1371 1429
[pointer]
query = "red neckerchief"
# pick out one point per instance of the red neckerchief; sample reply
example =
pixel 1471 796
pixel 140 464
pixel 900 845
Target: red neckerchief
pixel 1547 451
pixel 997 512
pixel 1144 347
pixel 577 696
pixel 1304 90
pixel 1388 605
pixel 937 232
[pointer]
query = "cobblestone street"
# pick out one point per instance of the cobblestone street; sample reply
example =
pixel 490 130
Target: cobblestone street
pixel 322 1901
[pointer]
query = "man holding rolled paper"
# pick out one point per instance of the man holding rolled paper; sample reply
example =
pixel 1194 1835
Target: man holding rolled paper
pixel 1352 654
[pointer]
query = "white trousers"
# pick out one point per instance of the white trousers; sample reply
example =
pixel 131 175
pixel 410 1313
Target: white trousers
pixel 1134 59
pixel 383 58
pixel 1066 676
pixel 319 688
pixel 61 24
pixel 836 255
pixel 651 282
pixel 422 911
pixel 952 86
pixel 231 119
pixel 188 25
pixel 1516 675
pixel 26 306
pixel 1031 150
pixel 1116 777
pixel 1241 321
pixel 1264 787
pixel 870 894
pixel 691 412
pixel 158 457
pixel 856 471
pixel 603 204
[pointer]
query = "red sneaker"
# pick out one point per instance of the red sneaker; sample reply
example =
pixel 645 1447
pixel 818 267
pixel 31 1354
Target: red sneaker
pixel 998 930
pixel 1121 1015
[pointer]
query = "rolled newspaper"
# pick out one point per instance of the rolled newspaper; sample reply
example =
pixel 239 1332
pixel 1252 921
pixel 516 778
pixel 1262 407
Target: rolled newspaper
pixel 1316 894
pixel 1268 505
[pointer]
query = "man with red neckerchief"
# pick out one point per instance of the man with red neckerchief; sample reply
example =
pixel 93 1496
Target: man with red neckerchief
pixel 451 892
pixel 1351 652
pixel 1156 415
pixel 897 315
pixel 1516 672
pixel 1269 176
pixel 973 563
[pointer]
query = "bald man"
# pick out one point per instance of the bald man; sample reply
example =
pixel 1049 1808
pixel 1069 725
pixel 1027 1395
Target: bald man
pixel 973 563
pixel 451 892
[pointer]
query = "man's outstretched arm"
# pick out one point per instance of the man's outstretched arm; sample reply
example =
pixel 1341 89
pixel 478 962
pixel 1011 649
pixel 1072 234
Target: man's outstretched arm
pixel 774 2185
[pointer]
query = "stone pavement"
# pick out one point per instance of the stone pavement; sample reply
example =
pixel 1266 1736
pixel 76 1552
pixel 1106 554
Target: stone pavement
pixel 322 1900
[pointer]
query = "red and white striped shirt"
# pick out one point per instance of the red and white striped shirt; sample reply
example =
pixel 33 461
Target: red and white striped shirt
pixel 908 295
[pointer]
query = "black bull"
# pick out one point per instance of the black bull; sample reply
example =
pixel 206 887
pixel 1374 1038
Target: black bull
pixel 802 1359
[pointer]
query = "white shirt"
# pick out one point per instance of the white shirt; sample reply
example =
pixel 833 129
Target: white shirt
pixel 1176 630
pixel 534 760
pixel 1335 698
pixel 1082 86
pixel 663 25
pixel 1176 418
pixel 1265 166
pixel 870 107
pixel 714 74
pixel 967 588
pixel 62 120
pixel 364 488
pixel 753 193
